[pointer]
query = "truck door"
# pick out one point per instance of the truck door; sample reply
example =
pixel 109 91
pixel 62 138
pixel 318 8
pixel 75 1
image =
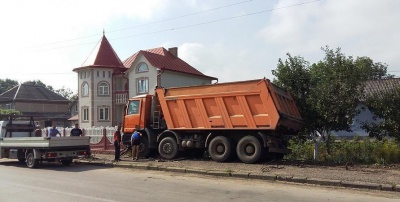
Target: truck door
pixel 132 115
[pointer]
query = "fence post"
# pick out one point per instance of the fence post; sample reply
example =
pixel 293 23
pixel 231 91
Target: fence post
pixel 83 132
pixel 64 132
pixel 47 132
pixel 105 139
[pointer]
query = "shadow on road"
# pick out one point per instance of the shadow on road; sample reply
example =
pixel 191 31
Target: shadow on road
pixel 54 166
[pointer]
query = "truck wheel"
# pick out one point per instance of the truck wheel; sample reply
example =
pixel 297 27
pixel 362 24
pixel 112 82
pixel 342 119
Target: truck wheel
pixel 168 148
pixel 220 149
pixel 66 162
pixel 144 148
pixel 31 162
pixel 249 149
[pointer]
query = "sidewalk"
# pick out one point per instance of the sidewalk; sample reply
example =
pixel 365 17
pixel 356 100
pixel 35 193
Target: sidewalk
pixel 357 177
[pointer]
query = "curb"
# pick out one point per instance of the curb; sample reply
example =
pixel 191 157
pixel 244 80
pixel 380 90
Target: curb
pixel 244 175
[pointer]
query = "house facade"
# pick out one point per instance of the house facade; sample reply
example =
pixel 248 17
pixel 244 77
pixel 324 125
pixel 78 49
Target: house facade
pixel 372 87
pixel 105 82
pixel 43 104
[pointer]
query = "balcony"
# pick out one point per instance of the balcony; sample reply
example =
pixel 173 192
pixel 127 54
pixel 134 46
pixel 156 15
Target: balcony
pixel 121 97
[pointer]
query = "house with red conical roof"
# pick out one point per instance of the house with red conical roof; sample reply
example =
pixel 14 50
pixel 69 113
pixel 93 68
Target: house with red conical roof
pixel 105 82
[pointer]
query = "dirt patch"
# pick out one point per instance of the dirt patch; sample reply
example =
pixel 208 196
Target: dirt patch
pixel 363 173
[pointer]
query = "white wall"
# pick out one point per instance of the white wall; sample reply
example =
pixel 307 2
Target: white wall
pixel 364 116
pixel 133 75
pixel 176 79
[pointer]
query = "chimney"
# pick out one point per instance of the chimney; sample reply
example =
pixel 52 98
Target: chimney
pixel 173 51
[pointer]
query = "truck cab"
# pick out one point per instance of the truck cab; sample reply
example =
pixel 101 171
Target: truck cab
pixel 137 113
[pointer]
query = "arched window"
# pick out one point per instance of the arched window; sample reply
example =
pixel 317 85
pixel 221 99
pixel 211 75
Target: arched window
pixel 85 89
pixel 142 67
pixel 103 88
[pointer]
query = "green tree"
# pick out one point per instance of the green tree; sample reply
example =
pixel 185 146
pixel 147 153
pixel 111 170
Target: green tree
pixel 294 75
pixel 385 108
pixel 5 112
pixel 327 92
pixel 39 83
pixel 7 84
pixel 65 92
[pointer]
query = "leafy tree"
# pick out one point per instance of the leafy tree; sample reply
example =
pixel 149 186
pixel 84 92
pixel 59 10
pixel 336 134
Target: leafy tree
pixel 327 92
pixel 385 108
pixel 7 84
pixel 39 83
pixel 65 92
pixel 5 112
pixel 294 75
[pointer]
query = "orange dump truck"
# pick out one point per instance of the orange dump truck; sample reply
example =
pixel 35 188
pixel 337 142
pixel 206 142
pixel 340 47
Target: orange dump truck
pixel 247 119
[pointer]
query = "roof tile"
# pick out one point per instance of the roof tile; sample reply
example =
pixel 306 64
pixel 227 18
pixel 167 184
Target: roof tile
pixel 164 60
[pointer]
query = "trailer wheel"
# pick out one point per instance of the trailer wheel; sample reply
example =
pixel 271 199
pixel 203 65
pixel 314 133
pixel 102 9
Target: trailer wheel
pixel 168 148
pixel 220 149
pixel 31 162
pixel 66 162
pixel 249 149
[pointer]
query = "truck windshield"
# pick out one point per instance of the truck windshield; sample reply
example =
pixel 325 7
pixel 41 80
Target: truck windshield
pixel 133 107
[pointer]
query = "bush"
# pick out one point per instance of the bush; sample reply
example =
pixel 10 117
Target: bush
pixel 365 151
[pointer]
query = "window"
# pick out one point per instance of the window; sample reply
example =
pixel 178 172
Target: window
pixel 103 113
pixel 98 73
pixel 76 107
pixel 103 89
pixel 142 67
pixel 9 106
pixel 81 73
pixel 109 74
pixel 85 89
pixel 85 114
pixel 104 74
pixel 133 107
pixel 142 85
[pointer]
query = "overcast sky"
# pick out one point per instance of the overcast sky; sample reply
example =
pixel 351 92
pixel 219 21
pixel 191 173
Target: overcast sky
pixel 228 39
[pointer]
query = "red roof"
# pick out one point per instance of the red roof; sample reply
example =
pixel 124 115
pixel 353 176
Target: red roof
pixel 103 56
pixel 164 60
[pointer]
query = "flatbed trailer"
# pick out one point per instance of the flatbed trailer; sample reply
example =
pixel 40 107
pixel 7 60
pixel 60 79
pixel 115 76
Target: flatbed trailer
pixel 17 142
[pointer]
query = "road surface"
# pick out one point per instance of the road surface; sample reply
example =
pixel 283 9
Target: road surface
pixel 54 182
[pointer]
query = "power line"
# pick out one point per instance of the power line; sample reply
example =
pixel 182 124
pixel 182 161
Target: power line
pixel 192 25
pixel 146 24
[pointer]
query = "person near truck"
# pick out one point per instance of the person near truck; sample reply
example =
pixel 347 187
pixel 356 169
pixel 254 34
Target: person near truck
pixel 135 141
pixel 117 143
pixel 53 132
pixel 76 131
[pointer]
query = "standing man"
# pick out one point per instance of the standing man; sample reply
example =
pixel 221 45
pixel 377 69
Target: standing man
pixel 117 143
pixel 76 131
pixel 53 132
pixel 135 141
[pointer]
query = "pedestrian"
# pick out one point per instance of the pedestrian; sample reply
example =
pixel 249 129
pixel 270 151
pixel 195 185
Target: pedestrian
pixel 53 132
pixel 117 143
pixel 135 141
pixel 38 131
pixel 76 131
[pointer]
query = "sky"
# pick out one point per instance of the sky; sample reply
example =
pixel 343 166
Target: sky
pixel 229 39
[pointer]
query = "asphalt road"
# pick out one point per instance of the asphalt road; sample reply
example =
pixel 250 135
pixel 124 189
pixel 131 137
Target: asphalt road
pixel 54 182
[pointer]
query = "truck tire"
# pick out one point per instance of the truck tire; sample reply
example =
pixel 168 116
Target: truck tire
pixel 168 148
pixel 144 148
pixel 66 162
pixel 31 162
pixel 220 148
pixel 249 149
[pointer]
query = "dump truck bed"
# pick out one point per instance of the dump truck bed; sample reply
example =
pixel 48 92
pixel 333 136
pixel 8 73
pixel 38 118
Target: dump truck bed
pixel 247 105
